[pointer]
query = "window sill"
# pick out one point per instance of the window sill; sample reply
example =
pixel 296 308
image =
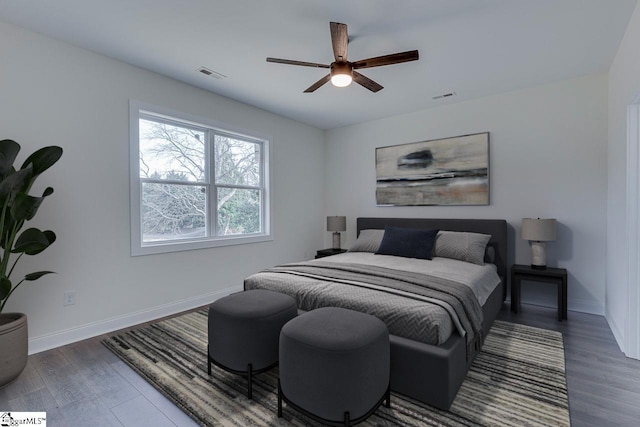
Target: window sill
pixel 161 248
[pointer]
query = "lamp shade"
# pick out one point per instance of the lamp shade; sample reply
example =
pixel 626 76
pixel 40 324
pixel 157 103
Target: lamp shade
pixel 539 230
pixel 336 223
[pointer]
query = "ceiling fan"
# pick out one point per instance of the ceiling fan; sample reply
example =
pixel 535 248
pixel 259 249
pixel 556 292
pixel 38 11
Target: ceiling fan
pixel 342 72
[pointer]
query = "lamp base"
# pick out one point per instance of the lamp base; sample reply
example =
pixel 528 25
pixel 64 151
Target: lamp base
pixel 538 255
pixel 336 240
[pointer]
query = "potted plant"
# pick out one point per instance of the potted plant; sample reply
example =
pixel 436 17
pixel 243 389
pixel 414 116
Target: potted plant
pixel 17 207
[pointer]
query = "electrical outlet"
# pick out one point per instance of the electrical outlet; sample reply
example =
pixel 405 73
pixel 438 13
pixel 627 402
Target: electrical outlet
pixel 69 298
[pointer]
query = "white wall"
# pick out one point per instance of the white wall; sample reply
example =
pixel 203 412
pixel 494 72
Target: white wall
pixel 547 159
pixel 624 86
pixel 54 93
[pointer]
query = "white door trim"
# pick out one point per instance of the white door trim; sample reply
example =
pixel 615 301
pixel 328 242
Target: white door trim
pixel 632 323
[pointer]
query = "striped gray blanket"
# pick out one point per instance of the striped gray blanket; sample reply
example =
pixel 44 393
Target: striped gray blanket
pixel 404 300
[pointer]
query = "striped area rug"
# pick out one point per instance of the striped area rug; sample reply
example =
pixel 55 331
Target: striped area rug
pixel 518 379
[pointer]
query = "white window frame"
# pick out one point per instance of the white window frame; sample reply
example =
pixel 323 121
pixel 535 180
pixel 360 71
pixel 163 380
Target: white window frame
pixel 138 109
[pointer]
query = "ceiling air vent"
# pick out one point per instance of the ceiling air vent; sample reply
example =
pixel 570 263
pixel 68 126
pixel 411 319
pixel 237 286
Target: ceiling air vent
pixel 445 95
pixel 209 72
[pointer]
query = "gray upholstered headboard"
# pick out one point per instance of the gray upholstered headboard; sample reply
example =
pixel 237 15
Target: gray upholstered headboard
pixel 497 228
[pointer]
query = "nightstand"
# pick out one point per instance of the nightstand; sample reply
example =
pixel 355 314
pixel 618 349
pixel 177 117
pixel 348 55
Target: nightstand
pixel 328 252
pixel 557 276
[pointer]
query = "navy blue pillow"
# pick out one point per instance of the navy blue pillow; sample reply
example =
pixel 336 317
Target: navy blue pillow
pixel 408 242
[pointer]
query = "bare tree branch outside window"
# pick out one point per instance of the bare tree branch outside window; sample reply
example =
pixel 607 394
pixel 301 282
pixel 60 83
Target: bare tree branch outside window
pixel 173 169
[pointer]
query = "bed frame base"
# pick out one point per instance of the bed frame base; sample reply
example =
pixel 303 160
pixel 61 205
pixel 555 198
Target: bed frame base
pixel 434 374
pixel 429 373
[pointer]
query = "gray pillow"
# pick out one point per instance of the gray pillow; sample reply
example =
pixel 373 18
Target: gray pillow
pixel 368 241
pixel 469 247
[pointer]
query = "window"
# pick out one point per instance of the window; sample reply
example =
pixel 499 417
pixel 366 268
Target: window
pixel 193 184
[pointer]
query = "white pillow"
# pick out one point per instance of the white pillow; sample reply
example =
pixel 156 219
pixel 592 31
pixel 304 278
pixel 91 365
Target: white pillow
pixel 368 241
pixel 469 247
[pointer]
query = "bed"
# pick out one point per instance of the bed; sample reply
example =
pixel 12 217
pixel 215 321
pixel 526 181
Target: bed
pixel 429 359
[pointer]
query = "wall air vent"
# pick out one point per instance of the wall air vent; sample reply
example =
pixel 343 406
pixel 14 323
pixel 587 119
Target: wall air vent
pixel 445 95
pixel 209 72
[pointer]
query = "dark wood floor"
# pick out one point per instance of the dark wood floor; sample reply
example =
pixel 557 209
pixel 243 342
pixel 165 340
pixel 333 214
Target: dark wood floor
pixel 603 384
pixel 83 384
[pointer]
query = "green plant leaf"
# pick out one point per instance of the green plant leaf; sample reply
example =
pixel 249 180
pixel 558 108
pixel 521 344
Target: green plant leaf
pixel 5 287
pixel 15 182
pixel 31 241
pixel 37 275
pixel 25 207
pixel 6 229
pixel 51 237
pixel 43 159
pixel 8 152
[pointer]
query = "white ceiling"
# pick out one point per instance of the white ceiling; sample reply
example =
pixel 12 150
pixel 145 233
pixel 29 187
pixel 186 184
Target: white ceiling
pixel 472 47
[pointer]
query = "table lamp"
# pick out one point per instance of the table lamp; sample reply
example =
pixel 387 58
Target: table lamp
pixel 336 224
pixel 538 232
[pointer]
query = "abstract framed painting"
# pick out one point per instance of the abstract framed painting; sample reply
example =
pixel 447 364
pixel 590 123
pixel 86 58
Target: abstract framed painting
pixel 449 171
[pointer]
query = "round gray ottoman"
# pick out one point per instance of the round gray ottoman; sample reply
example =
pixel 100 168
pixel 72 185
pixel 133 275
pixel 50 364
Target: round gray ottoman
pixel 244 329
pixel 334 365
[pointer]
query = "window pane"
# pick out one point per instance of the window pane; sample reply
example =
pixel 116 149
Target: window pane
pixel 237 161
pixel 171 152
pixel 172 211
pixel 238 211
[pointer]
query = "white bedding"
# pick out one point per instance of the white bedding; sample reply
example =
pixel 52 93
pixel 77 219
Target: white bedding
pixel 482 279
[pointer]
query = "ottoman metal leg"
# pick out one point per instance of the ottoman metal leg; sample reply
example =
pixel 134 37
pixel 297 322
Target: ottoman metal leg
pixel 388 403
pixel 346 421
pixel 249 375
pixel 279 400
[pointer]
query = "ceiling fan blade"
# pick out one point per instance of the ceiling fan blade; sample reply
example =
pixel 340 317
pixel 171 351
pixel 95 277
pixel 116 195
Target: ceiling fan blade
pixel 339 40
pixel 317 84
pixel 303 63
pixel 366 82
pixel 394 58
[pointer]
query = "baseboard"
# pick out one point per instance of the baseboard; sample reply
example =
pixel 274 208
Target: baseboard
pixel 585 306
pixel 579 305
pixel 68 336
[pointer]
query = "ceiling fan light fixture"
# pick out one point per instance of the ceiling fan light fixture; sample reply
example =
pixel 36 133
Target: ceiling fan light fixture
pixel 342 71
pixel 341 80
pixel 341 75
